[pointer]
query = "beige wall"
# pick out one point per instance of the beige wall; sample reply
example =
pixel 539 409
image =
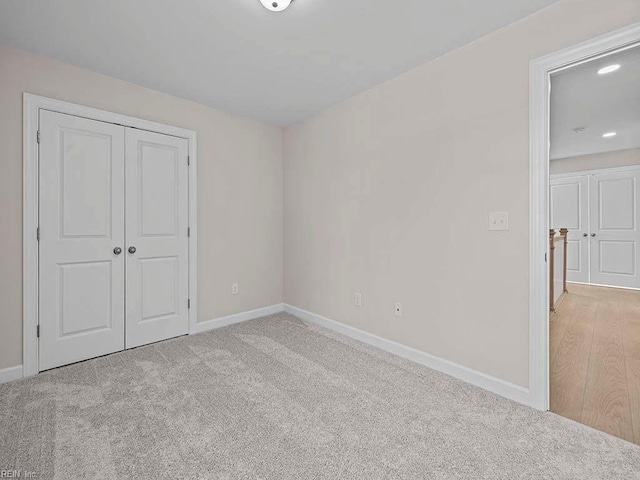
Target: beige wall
pixel 239 187
pixel 619 158
pixel 388 193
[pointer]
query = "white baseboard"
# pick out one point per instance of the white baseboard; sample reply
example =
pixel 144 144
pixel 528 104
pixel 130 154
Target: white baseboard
pixel 10 374
pixel 15 373
pixel 493 384
pixel 479 379
pixel 237 318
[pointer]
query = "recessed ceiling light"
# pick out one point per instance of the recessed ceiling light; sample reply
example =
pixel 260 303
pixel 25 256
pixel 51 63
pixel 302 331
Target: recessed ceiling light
pixel 609 134
pixel 275 5
pixel 608 69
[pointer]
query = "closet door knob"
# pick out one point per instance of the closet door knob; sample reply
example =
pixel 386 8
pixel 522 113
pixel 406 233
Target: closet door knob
pixel 117 250
pixel 132 250
pixel 593 234
pixel 584 234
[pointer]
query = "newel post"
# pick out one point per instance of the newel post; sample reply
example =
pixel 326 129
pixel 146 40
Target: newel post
pixel 565 233
pixel 552 234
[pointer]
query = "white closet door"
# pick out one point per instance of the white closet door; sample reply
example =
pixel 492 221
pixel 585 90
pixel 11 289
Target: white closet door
pixel 156 231
pixel 81 281
pixel 615 233
pixel 570 209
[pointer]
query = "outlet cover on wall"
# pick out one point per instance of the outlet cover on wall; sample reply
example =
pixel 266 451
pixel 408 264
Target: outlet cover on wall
pixel 398 309
pixel 235 289
pixel 499 221
pixel 358 299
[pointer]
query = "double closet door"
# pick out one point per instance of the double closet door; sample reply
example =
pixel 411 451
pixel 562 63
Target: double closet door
pixel 113 248
pixel 602 213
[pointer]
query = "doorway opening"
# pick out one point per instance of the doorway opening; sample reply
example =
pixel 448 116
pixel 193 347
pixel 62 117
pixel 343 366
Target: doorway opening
pixel 585 157
pixel 594 326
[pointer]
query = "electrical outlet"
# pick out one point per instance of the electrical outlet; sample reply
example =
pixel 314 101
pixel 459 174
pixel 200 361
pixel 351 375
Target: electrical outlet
pixel 499 221
pixel 358 299
pixel 234 289
pixel 398 309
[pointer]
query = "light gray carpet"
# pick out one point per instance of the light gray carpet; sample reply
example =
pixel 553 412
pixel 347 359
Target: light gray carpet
pixel 276 398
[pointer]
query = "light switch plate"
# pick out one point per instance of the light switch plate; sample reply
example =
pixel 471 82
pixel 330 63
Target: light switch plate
pixel 499 221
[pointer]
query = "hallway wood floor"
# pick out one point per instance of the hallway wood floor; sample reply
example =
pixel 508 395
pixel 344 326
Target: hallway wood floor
pixel 594 358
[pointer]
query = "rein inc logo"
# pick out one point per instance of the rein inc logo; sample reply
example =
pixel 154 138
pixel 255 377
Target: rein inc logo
pixel 17 474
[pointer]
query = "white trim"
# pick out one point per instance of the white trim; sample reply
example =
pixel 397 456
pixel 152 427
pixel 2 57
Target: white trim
pixel 29 240
pixel 595 171
pixel 32 104
pixel 539 84
pixel 479 379
pixel 10 374
pixel 604 286
pixel 237 318
pixel 193 237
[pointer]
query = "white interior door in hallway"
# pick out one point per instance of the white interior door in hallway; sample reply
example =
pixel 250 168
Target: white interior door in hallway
pixel 570 209
pixel 614 225
pixel 113 248
pixel 602 212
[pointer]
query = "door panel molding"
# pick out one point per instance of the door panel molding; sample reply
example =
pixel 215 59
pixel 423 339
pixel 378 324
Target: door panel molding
pixel 32 106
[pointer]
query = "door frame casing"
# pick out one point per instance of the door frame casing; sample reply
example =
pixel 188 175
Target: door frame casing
pixel 32 104
pixel 540 71
pixel 596 171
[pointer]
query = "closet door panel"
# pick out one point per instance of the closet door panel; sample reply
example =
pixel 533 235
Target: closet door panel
pixel 156 237
pixel 615 229
pixel 81 277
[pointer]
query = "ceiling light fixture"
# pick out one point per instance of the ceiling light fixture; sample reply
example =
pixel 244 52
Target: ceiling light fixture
pixel 608 69
pixel 609 134
pixel 275 5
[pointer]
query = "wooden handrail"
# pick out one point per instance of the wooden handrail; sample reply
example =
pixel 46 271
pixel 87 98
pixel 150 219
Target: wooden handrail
pixel 553 239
